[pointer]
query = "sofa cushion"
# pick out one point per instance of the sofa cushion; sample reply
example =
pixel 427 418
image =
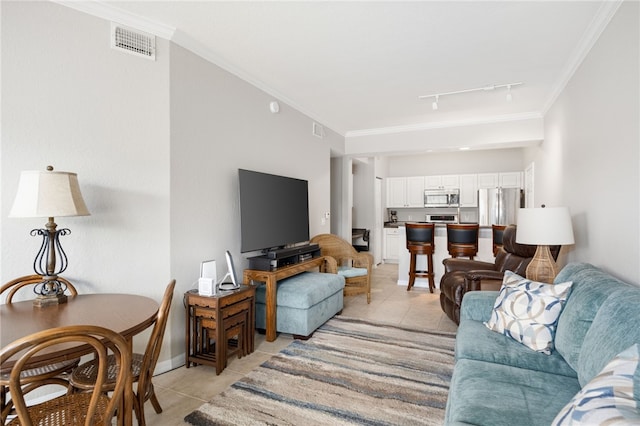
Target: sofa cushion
pixel 484 393
pixel 304 290
pixel 614 328
pixel 591 286
pixel 475 341
pixel 609 397
pixel 528 311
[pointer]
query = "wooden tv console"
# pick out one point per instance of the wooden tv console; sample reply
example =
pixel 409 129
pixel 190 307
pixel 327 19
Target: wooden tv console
pixel 270 278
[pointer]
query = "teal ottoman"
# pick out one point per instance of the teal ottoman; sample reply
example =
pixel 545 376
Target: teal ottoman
pixel 304 302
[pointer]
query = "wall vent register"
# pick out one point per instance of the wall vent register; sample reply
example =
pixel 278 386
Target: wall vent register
pixel 133 41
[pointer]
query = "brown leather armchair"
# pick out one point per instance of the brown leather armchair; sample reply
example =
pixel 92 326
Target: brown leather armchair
pixel 462 275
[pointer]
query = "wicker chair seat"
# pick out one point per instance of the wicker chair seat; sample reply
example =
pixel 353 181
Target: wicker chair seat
pixel 84 376
pixel 66 410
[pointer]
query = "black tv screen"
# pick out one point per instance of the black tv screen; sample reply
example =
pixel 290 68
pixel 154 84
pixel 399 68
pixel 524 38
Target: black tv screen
pixel 274 211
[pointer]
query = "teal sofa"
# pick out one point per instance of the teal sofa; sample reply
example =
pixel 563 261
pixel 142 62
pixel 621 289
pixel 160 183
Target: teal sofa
pixel 498 381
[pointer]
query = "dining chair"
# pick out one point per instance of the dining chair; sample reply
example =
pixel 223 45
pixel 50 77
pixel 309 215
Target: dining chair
pixel 91 408
pixel 142 365
pixel 55 372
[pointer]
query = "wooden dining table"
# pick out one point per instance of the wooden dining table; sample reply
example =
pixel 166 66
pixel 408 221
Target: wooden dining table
pixel 126 314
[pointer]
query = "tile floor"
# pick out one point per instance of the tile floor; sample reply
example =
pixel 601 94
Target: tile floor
pixel 183 390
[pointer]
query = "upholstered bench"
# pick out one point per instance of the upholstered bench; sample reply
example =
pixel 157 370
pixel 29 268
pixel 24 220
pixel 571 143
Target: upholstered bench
pixel 304 302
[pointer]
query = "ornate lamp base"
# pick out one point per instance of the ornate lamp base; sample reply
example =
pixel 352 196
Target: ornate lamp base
pixel 50 299
pixel 50 291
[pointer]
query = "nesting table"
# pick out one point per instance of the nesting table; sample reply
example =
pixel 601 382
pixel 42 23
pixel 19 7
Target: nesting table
pixel 218 318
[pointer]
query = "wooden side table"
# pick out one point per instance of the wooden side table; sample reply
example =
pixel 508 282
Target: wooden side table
pixel 205 319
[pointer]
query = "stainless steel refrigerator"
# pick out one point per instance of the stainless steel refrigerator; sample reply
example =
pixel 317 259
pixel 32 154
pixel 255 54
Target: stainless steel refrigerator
pixel 499 206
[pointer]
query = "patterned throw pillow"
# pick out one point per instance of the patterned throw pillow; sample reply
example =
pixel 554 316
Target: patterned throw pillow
pixel 528 311
pixel 608 398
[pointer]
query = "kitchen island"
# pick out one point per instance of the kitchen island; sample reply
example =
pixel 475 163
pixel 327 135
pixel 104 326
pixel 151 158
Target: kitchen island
pixel 485 253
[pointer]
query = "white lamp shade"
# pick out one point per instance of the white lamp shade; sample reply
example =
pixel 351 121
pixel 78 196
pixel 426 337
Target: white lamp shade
pixel 544 226
pixel 48 194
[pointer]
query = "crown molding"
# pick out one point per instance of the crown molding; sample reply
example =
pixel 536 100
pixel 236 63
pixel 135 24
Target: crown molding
pixel 443 125
pixel 115 14
pixel 600 21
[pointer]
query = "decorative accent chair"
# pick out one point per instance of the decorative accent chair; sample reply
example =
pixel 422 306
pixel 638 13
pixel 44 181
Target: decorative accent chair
pixel 84 376
pixel 463 275
pixel 420 237
pixel 95 407
pixel 353 266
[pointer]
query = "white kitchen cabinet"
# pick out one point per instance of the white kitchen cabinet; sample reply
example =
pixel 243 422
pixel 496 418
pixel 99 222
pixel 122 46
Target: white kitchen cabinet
pixel 391 245
pixel 469 190
pixel 396 191
pixel 415 191
pixel 511 180
pixel 488 180
pixel 405 192
pixel 442 182
pixel 500 180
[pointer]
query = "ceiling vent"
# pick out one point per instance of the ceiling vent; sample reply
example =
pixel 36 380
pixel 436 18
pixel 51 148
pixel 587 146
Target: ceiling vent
pixel 133 41
pixel 318 130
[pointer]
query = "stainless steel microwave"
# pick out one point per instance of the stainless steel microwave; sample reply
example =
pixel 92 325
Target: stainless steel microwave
pixel 442 198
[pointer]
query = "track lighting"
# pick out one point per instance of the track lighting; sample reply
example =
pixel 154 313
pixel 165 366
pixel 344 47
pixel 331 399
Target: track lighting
pixel 487 88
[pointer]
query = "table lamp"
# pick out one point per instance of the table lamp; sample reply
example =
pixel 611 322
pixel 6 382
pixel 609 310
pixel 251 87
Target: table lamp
pixel 49 194
pixel 544 227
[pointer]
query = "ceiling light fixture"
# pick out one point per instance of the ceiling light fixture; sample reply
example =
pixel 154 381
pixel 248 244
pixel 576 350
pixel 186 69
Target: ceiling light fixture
pixel 488 88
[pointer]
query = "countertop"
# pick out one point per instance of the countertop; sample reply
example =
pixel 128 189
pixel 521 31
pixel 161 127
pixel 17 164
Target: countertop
pixel 398 224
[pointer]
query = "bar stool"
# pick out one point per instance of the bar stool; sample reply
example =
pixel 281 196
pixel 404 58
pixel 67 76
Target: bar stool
pixel 420 242
pixel 462 240
pixel 497 231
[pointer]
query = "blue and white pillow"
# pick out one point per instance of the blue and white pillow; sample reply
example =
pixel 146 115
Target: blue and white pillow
pixel 528 311
pixel 608 399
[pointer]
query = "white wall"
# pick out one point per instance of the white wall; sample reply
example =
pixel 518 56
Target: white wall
pixel 589 160
pixel 457 162
pixel 220 123
pixel 70 101
pixel 156 146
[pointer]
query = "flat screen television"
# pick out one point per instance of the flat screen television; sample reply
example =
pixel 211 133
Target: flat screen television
pixel 274 211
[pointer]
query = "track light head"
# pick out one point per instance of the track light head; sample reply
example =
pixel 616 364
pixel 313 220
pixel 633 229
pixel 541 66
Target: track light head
pixel 509 95
pixel 434 105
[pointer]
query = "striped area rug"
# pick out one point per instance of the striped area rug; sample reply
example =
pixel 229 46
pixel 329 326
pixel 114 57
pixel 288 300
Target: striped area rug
pixel 350 372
